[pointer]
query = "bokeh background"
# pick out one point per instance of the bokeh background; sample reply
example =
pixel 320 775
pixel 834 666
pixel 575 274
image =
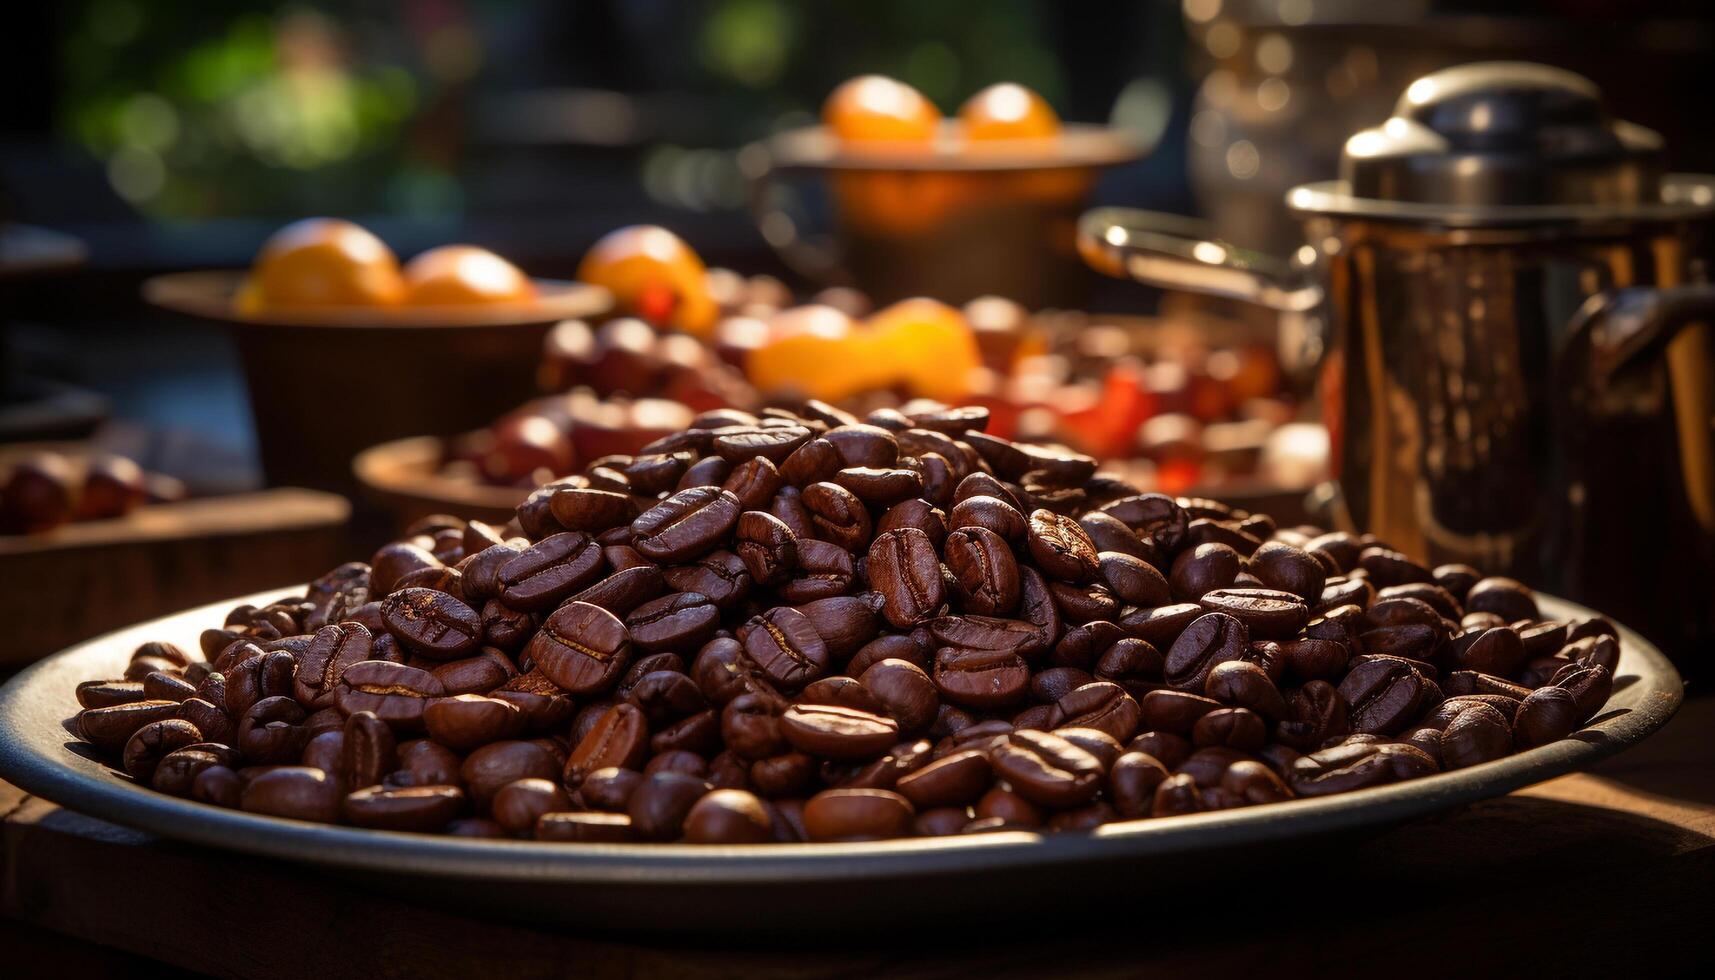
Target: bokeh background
pixel 175 136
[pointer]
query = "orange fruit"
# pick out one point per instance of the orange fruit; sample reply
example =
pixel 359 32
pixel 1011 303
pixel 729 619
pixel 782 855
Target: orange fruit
pixel 464 275
pixel 1008 112
pixel 322 262
pixel 929 347
pixel 875 108
pixel 815 351
pixel 653 274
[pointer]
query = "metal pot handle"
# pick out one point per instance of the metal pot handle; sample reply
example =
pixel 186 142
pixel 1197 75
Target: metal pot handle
pixel 1174 252
pixel 1624 327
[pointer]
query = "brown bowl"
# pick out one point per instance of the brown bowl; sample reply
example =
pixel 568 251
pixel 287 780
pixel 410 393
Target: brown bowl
pixel 326 384
pixel 404 477
pixel 950 219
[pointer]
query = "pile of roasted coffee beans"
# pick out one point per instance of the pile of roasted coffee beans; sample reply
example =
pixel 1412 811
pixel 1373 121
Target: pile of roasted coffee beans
pixel 781 628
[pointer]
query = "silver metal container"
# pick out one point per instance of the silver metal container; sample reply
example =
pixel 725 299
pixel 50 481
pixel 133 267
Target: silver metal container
pixel 1508 301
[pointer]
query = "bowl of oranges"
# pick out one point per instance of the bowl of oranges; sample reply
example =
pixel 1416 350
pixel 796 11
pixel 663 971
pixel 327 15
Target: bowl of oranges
pixel 343 345
pixel 889 195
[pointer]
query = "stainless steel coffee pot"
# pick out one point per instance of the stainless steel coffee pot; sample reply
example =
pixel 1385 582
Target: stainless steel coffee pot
pixel 1509 303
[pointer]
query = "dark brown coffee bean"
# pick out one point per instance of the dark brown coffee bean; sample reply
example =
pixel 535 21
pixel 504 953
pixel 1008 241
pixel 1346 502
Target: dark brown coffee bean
pixel 953 780
pixel 661 802
pixel 550 571
pixel 488 769
pixel 272 733
pixel 917 513
pixel 838 516
pixel 264 675
pixel 1476 734
pixel 333 649
pixel 767 547
pixel 1589 684
pixel 905 570
pixel 178 770
pixel 1387 567
pixel 1384 695
pixel 1103 706
pixel 1210 639
pixel 1245 685
pixel 1047 769
pixel 835 732
pixel 681 621
pixel 618 740
pixel 737 444
pixel 415 809
pixel 1234 728
pixel 905 691
pixel 432 624
pixel 857 814
pixel 1285 568
pixel 1498 651
pixel 993 513
pixel 295 792
pixel 581 648
pixel 152 742
pixel 813 462
pixel 468 721
pixel 106 694
pixel 1133 580
pixel 1203 569
pixel 1508 598
pixel 1546 715
pixel 623 590
pixel 980 679
pixel 786 645
pixel 985 573
pixel 719 575
pixel 519 804
pixel 1174 711
pixel 729 816
pixel 1357 765
pixel 754 482
pixel 1060 547
pixel 686 525
pixel 394 692
pixel 1267 614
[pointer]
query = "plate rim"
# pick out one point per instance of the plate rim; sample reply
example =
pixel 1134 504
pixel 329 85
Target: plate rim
pixel 206 294
pixel 107 795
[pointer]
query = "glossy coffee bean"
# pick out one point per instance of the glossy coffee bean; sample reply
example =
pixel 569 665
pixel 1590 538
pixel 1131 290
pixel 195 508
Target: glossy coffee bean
pixel 905 569
pixel 857 814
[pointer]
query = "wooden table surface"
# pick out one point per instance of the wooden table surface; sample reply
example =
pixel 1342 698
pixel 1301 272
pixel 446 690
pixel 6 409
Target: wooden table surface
pixel 1610 872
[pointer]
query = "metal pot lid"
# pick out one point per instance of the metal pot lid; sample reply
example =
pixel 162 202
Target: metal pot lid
pixel 1502 142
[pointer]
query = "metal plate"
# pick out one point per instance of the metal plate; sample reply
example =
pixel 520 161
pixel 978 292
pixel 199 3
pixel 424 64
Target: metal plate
pixel 804 888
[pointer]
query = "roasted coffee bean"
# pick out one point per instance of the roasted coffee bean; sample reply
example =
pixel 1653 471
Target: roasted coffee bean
pixel 1208 640
pixel 661 802
pixel 1047 769
pixel 331 651
pixel 835 732
pixel 1233 728
pixel 1505 597
pixel 838 516
pixel 904 568
pixel 1358 765
pixel 468 721
pixel 1203 569
pixel 432 624
pixel 916 513
pixel 857 814
pixel 416 809
pixel 618 740
pixel 1384 695
pixel 813 462
pixel 296 792
pixel 905 691
pixel 178 770
pixel 985 573
pixel 785 644
pixel 1288 569
pixel 1174 711
pixel 767 547
pixel 729 816
pixel 1387 567
pixel 519 804
pixel 1588 683
pixel 1476 734
pixel 106 694
pixel 488 769
pixel 681 621
pixel 1498 651
pixel 1133 580
pixel 581 648
pixel 958 779
pixel 264 675
pixel 1103 706
pixel 686 525
pixel 1546 715
pixel 111 727
pixel 158 686
pixel 980 679
pixel 624 589
pixel 995 513
pixel 272 733
pixel 737 444
pixel 1267 614
pixel 154 741
pixel 721 576
pixel 1245 685
pixel 1060 547
pixel 394 692
pixel 393 562
pixel 754 482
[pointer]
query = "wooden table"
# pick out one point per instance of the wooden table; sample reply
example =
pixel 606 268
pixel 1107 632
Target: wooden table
pixel 1530 882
